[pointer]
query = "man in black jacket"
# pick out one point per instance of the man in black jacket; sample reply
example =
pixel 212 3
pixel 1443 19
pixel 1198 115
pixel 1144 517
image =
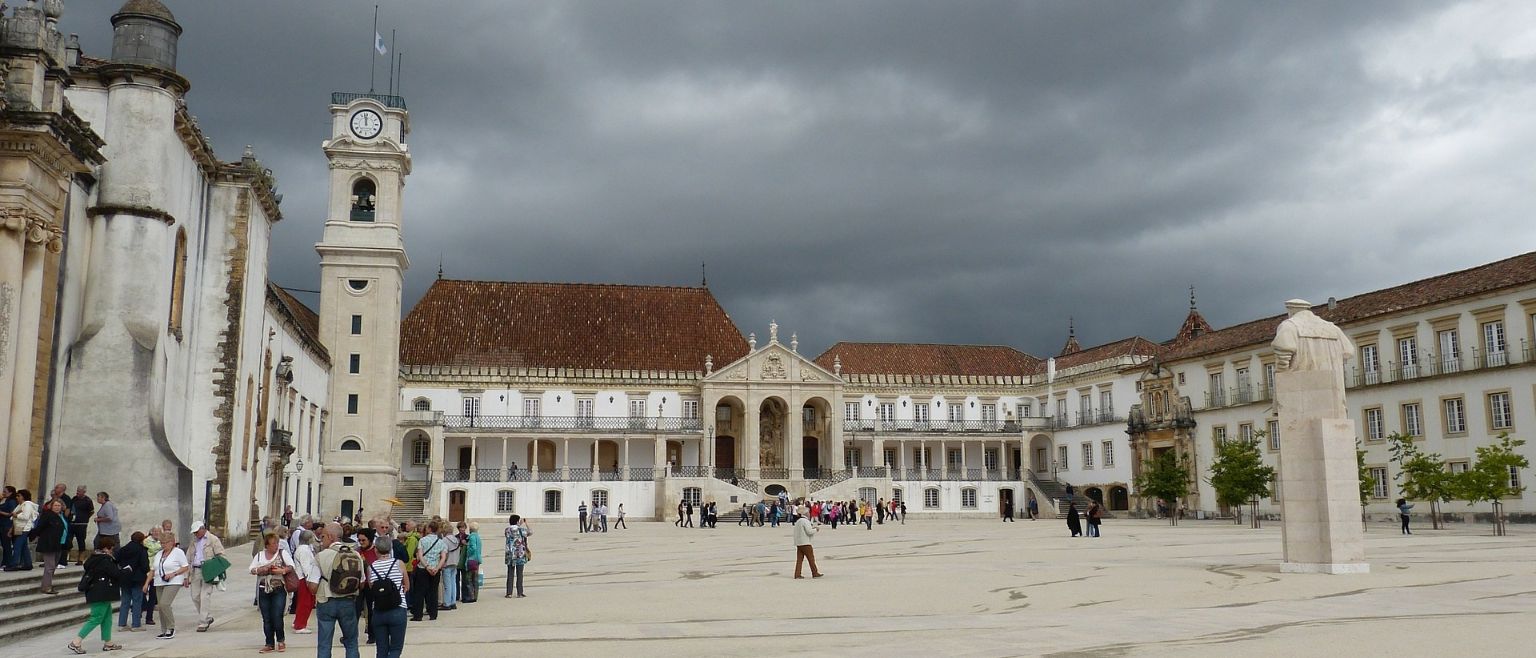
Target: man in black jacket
pixel 81 510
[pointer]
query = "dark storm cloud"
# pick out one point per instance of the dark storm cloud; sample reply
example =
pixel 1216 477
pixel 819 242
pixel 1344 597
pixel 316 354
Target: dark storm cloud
pixel 944 172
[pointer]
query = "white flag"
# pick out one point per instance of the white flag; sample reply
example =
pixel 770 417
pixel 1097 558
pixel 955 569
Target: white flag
pixel 378 43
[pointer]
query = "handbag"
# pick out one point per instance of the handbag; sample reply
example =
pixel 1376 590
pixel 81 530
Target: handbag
pixel 291 580
pixel 473 564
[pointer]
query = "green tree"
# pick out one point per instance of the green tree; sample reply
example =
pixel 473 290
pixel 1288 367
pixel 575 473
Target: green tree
pixel 1421 475
pixel 1488 479
pixel 1238 474
pixel 1166 478
pixel 1367 483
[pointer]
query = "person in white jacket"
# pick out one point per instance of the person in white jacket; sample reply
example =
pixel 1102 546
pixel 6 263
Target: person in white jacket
pixel 804 532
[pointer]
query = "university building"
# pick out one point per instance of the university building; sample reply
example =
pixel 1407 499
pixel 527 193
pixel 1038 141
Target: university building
pixel 144 350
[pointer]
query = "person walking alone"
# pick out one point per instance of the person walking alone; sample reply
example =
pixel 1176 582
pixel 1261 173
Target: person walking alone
pixel 517 554
pixel 101 582
pixel 107 524
pixel 205 547
pixel 805 531
pixel 619 522
pixel 1402 513
pixel 581 514
pixel 1034 509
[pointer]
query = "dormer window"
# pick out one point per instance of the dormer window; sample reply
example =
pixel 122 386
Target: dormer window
pixel 364 194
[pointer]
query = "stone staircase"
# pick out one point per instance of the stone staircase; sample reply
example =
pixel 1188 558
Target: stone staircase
pixel 413 497
pixel 1056 490
pixel 29 612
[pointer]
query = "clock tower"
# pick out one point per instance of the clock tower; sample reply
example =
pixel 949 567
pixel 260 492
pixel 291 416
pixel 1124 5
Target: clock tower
pixel 362 267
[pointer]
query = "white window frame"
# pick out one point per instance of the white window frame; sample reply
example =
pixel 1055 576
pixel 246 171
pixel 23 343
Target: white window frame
pixel 691 409
pixel 506 501
pixel 850 411
pixel 533 407
pixel 1413 419
pixel 1408 356
pixel 1501 412
pixel 1062 455
pixel 1373 425
pixel 1245 432
pixel 598 497
pixel 956 413
pixel 553 504
pixel 931 498
pixel 1514 476
pixel 471 406
pixel 1274 435
pixel 1370 363
pixel 889 456
pixel 585 407
pixel 1455 410
pixel 988 413
pixel 1087 455
pixel 1450 350
pixel 1109 454
pixel 968 498
pixel 421 451
pixel 919 412
pixel 637 408
pixel 693 495
pixel 1494 343
pixel 886 412
pixel 1380 488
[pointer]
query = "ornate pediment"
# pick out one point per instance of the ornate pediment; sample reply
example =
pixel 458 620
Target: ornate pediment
pixel 773 363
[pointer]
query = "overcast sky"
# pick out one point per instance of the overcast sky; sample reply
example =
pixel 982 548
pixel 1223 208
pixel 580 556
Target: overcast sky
pixel 906 171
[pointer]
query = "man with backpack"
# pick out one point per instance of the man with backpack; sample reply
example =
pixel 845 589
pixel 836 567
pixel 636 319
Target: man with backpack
pixel 336 583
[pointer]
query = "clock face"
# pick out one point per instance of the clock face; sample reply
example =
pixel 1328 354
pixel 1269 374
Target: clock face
pixel 367 124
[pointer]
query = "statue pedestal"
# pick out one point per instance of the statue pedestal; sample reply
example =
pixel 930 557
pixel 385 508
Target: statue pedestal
pixel 1319 477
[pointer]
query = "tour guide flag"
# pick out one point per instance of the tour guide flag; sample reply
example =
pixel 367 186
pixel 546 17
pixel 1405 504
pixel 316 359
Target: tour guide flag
pixel 378 43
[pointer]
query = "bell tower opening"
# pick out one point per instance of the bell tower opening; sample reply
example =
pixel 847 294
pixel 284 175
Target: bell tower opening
pixel 364 194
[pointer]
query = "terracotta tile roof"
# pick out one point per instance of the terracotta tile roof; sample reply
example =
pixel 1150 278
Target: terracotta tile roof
pixel 568 325
pixel 1518 270
pixel 1133 346
pixel 302 316
pixel 928 359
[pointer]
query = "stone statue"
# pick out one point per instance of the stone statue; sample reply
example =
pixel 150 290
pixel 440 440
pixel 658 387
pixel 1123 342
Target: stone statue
pixel 1320 514
pixel 1305 342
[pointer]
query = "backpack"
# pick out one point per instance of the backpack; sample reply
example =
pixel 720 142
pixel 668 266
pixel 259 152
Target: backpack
pixel 346 578
pixel 382 590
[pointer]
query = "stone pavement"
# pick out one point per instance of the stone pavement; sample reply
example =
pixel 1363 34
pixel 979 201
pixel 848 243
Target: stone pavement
pixel 965 587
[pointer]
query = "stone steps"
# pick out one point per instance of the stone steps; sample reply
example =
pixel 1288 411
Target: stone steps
pixel 29 612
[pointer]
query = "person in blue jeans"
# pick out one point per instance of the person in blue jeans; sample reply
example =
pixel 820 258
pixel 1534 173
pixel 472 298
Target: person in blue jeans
pixel 330 610
pixel 133 559
pixel 388 623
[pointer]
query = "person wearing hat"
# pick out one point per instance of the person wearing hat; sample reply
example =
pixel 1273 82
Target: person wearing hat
pixel 205 546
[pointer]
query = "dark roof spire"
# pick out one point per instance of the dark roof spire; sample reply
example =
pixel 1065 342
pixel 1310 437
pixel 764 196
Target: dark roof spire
pixel 703 276
pixel 1191 297
pixel 1072 346
pixel 439 266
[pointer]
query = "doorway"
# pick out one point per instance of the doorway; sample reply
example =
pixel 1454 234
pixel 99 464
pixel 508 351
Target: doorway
pixel 1005 502
pixel 811 453
pixel 466 457
pixel 725 452
pixel 456 505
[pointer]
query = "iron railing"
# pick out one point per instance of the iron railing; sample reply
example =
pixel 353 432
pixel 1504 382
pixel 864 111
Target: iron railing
pixel 342 98
pixel 774 473
pixel 930 426
pixel 1432 365
pixel 488 474
pixel 690 471
pixel 572 423
pixel 641 473
pixel 455 475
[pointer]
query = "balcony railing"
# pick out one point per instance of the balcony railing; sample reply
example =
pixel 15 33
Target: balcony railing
pixel 342 98
pixel 930 426
pixel 455 475
pixel 569 424
pixel 1432 365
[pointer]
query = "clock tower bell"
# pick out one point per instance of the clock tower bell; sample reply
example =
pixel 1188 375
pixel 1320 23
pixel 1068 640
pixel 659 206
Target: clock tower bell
pixel 362 267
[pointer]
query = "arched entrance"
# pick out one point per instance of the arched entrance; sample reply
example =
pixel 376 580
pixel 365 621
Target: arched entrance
pixel 729 422
pixel 541 455
pixel 1040 455
pixel 1119 499
pixel 606 454
pixel 810 451
pixel 772 414
pixel 1094 494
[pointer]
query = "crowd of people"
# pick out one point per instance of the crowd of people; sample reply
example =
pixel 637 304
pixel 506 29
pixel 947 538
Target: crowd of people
pixel 829 512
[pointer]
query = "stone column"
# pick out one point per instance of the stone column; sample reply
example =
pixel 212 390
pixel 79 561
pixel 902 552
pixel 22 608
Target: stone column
pixel 944 458
pixel 505 464
pixel 624 461
pixel 659 445
pixel 565 466
pixel 12 256
pixel 435 479
pixel 750 439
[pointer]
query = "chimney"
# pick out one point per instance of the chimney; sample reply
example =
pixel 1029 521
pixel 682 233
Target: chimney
pixel 1333 303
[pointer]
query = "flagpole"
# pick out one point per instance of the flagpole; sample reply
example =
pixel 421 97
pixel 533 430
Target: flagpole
pixel 373 51
pixel 392 62
pixel 400 75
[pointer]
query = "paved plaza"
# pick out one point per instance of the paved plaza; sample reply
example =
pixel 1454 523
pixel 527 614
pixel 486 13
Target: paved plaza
pixel 958 587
